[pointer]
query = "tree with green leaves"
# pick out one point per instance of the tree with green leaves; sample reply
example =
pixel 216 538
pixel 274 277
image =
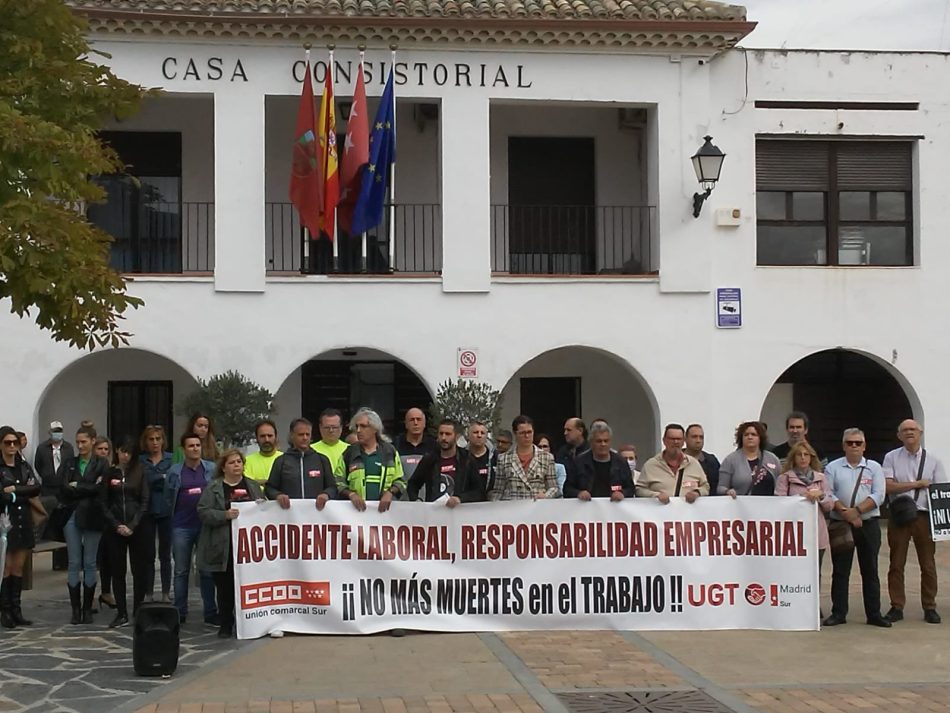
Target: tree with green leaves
pixel 234 402
pixel 467 400
pixel 54 97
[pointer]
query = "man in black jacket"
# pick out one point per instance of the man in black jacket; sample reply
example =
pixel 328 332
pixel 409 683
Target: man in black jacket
pixel 49 456
pixel 301 472
pixel 575 442
pixel 446 473
pixel 599 472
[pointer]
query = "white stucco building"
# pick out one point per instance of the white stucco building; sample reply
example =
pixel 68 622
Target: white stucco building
pixel 543 215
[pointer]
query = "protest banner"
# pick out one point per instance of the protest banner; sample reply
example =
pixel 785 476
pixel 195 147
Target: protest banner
pixel 939 496
pixel 719 563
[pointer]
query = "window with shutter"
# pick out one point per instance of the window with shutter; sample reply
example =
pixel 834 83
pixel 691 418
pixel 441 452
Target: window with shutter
pixel 834 202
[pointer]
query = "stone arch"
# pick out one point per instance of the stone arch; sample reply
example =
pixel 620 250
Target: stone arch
pixel 345 378
pixel 609 387
pixel 120 390
pixel 839 388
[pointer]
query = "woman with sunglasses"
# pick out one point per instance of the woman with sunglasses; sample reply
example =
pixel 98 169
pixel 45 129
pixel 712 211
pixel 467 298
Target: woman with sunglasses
pixel 216 512
pixel 157 461
pixel 126 504
pixel 18 483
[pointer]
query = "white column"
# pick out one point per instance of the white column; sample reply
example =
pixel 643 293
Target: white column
pixel 239 250
pixel 466 239
pixel 686 243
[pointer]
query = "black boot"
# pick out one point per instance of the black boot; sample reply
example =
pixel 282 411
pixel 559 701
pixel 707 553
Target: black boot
pixel 17 587
pixel 88 596
pixel 6 603
pixel 76 605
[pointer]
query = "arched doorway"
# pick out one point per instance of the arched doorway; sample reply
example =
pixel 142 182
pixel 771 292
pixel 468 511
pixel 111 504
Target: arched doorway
pixel 586 382
pixel 839 389
pixel 120 390
pixel 346 379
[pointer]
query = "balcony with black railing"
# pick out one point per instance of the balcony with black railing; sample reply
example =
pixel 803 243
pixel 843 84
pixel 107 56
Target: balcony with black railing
pixel 572 240
pixel 158 237
pixel 407 242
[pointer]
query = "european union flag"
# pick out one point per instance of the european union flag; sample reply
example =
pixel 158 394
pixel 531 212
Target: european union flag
pixel 368 212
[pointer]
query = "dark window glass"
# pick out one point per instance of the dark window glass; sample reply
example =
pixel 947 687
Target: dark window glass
pixel 834 202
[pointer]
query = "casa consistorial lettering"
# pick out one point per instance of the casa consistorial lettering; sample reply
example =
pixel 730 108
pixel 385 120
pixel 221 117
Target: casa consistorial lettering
pixel 212 69
pixel 422 74
pixel 417 74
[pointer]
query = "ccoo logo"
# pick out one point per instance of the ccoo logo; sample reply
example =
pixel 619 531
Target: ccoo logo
pixel 755 594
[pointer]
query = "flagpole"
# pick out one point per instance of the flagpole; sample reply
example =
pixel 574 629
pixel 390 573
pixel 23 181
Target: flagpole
pixel 363 236
pixel 392 171
pixel 331 229
pixel 305 259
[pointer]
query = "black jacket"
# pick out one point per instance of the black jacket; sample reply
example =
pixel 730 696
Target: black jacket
pixel 567 453
pixel 43 463
pixel 87 497
pixel 22 478
pixel 126 497
pixel 301 476
pixel 427 473
pixel 580 475
pixel 426 446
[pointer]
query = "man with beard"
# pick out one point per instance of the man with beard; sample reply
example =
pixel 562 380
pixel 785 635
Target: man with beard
pixel 444 473
pixel 257 466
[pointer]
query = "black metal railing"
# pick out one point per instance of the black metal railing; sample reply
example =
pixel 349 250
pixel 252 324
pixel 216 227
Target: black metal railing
pixel 416 230
pixel 158 237
pixel 572 240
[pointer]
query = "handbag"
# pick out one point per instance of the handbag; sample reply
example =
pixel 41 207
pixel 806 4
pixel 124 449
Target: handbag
pixel 903 508
pixel 56 524
pixel 840 535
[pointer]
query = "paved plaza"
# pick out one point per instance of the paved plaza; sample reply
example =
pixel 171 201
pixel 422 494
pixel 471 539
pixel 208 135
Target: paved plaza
pixel 55 667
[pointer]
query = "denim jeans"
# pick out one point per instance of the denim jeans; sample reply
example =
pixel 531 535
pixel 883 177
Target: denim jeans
pixel 162 526
pixel 184 542
pixel 82 547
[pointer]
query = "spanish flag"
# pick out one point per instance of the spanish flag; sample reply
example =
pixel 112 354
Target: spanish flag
pixel 328 162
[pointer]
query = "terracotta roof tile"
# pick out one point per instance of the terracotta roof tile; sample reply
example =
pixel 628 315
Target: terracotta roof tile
pixel 663 10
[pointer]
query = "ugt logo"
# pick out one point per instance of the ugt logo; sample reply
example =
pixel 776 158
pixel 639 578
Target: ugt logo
pixel 755 594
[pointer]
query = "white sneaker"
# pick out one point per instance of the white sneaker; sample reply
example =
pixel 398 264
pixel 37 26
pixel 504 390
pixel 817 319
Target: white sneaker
pixel 277 635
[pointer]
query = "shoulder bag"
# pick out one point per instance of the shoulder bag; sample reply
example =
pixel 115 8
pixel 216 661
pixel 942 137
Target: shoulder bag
pixel 903 508
pixel 840 537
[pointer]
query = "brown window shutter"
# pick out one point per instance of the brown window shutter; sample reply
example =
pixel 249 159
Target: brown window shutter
pixel 782 165
pixel 874 166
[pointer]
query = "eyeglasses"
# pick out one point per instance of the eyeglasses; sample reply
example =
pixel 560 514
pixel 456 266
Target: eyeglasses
pixel 854 443
pixel 544 446
pixel 11 443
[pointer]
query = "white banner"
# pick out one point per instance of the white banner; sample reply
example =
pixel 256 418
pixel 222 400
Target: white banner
pixel 718 563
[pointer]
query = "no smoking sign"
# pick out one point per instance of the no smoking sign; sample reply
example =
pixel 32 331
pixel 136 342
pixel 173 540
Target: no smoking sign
pixel 467 362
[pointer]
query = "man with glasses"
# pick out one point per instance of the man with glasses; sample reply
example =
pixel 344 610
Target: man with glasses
pixel 331 429
pixel 525 472
pixel 672 472
pixel 857 485
pixel 908 472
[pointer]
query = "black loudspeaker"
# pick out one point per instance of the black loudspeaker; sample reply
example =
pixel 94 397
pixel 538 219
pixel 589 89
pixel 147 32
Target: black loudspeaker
pixel 155 639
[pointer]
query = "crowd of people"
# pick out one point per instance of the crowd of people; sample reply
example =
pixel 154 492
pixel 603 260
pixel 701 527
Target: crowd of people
pixel 122 507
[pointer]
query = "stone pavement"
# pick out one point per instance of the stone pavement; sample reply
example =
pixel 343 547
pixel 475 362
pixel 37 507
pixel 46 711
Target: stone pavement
pixel 849 668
